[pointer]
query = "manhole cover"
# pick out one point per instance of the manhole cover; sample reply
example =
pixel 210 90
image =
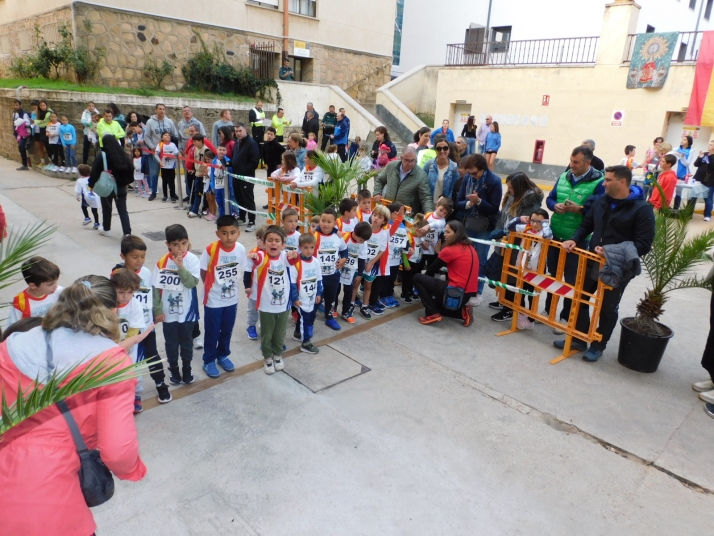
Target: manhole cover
pixel 156 236
pixel 324 370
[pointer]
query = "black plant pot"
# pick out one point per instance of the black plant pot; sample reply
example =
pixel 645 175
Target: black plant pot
pixel 641 353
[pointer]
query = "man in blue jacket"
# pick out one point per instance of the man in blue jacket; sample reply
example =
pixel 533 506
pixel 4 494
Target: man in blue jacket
pixel 341 135
pixel 479 200
pixel 246 156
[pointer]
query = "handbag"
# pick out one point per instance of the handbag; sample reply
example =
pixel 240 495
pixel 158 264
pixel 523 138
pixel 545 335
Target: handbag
pixel 95 479
pixel 454 296
pixel 106 185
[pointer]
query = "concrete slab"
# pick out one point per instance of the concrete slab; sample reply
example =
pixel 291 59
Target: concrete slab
pixel 324 370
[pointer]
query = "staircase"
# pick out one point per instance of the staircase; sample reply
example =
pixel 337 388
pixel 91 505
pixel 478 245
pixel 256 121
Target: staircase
pixel 371 106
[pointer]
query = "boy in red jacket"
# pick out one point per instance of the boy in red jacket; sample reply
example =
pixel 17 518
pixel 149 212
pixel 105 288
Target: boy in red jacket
pixel 667 180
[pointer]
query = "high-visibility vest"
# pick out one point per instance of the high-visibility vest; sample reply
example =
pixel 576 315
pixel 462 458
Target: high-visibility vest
pixel 260 115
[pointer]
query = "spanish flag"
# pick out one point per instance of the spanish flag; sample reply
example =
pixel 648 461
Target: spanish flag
pixel 701 103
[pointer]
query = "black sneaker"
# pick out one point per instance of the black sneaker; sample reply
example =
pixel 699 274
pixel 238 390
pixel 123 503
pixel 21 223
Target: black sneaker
pixel 174 199
pixel 152 197
pixel 185 199
pixel 365 312
pixel 174 376
pixel 407 298
pixel 165 199
pixel 163 393
pixel 187 376
pixel 503 316
pixel 496 305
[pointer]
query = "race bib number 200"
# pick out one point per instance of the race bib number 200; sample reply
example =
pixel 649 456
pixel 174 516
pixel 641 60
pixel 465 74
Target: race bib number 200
pixel 168 280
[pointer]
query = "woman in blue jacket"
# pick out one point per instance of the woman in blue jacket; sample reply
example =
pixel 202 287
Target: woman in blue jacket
pixel 441 171
pixel 492 145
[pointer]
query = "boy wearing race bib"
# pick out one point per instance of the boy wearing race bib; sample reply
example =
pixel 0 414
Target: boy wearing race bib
pixel 133 253
pixel 414 265
pixel 436 221
pixel 167 156
pixel 41 293
pixel 400 243
pixel 306 289
pixel 348 215
pixel 68 136
pixel 131 319
pixel 273 299
pixel 250 288
pixel 374 251
pixel 364 198
pixel 353 268
pixel 222 267
pixel 175 301
pixel 219 176
pixel 331 252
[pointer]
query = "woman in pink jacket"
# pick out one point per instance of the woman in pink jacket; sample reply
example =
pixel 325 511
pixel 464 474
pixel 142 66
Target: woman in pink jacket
pixel 38 459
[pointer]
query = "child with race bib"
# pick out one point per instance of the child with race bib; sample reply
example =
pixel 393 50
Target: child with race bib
pixel 272 290
pixel 331 251
pixel 374 251
pixel 175 301
pixel 307 291
pixel 400 243
pixel 222 266
pixel 353 268
pixel 250 287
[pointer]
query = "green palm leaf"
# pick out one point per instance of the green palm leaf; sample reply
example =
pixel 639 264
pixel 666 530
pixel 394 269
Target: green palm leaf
pixel 20 246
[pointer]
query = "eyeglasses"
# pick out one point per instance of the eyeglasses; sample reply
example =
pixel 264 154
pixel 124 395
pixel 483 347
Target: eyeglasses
pixel 442 148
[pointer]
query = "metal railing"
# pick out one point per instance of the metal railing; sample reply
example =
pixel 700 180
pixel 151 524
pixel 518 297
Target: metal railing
pixel 570 50
pixel 685 49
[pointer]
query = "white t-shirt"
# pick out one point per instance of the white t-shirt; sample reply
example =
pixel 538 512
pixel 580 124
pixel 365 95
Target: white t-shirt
pixel 177 301
pixel 376 243
pixel 221 285
pixel 306 275
pixel 168 158
pixel 131 316
pixel 327 251
pixel 436 226
pixel 25 306
pixel 398 244
pixel 416 255
pixel 364 216
pixel 272 282
pixel 143 295
pixel 292 242
pixel 81 187
pixel 138 175
pixel 355 252
pixel 53 133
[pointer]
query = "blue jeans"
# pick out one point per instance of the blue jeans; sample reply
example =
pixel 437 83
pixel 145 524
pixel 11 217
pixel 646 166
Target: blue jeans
pixel 154 169
pixel 708 202
pixel 218 325
pixel 471 148
pixel 70 155
pixel 482 252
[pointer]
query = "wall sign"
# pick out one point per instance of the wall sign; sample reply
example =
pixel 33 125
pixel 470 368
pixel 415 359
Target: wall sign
pixel 301 49
pixel 546 100
pixel 618 117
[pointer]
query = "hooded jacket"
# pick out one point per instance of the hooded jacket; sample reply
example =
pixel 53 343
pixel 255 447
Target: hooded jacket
pixel 155 127
pixel 613 221
pixel 622 263
pixel 342 131
pixel 183 131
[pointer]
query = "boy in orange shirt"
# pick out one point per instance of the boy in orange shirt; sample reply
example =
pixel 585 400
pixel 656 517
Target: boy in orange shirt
pixel 667 180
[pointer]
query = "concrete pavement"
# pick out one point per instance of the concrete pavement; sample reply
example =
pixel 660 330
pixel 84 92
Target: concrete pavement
pixel 397 428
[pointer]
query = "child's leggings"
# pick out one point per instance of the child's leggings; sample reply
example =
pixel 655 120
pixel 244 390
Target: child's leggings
pixel 331 286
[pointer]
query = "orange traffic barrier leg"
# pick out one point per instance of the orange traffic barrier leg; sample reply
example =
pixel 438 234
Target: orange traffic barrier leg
pixel 514 326
pixel 567 351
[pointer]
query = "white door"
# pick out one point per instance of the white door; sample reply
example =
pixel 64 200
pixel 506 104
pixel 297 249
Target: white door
pixel 461 115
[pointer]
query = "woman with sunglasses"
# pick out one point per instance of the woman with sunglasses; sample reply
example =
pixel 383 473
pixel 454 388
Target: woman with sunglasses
pixel 442 172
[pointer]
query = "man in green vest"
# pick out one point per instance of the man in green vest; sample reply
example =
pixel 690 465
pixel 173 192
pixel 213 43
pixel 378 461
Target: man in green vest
pixel 570 199
pixel 255 117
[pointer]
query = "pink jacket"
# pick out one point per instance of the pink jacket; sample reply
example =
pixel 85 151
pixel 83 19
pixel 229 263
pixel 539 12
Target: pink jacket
pixel 38 460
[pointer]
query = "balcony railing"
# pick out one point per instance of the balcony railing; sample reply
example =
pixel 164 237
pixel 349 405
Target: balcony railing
pixel 570 50
pixel 685 49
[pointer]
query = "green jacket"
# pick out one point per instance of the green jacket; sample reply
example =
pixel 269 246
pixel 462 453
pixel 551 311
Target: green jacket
pixel 564 225
pixel 413 191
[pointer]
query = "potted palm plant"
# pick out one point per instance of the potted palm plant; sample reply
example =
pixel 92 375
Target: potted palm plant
pixel 339 177
pixel 670 265
pixel 16 249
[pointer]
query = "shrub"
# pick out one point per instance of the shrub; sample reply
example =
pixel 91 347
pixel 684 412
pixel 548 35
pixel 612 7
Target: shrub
pixel 157 72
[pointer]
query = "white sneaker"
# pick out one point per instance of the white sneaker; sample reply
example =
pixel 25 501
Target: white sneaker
pixel 475 301
pixel 75 170
pixel 192 215
pixel 707 219
pixel 103 232
pixel 61 169
pixel 278 362
pixel 701 387
pixel 268 366
pixel 560 331
pixel 707 397
pixel 198 343
pixel 524 322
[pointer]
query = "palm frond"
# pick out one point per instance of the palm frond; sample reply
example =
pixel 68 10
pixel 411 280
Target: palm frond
pixel 20 246
pixel 58 386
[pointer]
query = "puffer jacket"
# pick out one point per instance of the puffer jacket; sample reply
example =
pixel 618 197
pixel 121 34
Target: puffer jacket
pixel 622 262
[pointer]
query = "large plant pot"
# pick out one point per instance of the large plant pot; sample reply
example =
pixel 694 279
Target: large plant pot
pixel 641 353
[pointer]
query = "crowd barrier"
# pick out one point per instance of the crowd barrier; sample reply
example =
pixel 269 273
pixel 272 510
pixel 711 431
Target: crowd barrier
pixel 516 273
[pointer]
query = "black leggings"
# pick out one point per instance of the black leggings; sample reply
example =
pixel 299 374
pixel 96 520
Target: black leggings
pixel 22 146
pixel 168 179
pixel 431 293
pixel 120 200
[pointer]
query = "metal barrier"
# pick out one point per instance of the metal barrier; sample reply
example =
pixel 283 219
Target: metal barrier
pixel 515 274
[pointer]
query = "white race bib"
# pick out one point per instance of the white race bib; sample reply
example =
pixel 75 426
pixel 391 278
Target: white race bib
pixel 398 241
pixel 347 274
pixel 372 250
pixel 308 287
pixel 143 297
pixel 67 137
pixel 328 261
pixel 278 287
pixel 218 180
pixel 168 280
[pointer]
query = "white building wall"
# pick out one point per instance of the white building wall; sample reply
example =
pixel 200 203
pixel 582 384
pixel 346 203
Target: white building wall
pixel 428 27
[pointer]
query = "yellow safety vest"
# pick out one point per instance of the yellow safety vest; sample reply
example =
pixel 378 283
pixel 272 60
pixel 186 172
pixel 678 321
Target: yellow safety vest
pixel 260 115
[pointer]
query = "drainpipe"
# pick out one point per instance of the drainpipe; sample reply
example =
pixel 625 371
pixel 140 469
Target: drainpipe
pixel 487 37
pixel 286 27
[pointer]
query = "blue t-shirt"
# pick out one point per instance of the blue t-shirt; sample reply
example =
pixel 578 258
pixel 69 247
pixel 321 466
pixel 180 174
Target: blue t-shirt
pixel 68 135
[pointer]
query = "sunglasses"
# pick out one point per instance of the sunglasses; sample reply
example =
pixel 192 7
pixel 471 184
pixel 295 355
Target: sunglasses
pixel 442 148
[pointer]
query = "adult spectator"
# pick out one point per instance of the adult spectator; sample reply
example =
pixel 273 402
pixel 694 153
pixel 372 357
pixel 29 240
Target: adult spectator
pixel 310 108
pixel 224 120
pixel 445 130
pixel 279 122
pixel 38 458
pixel 107 125
pixel 246 157
pixel 155 127
pixel 122 168
pixel 42 119
pixel 226 137
pixel 462 147
pixel 190 163
pixel 311 125
pixel 329 122
pixel 382 135
pixel 469 134
pixel 341 135
pixel 705 175
pixel 482 132
pixel 479 199
pixel 187 121
pixel 286 72
pixel 404 182
pixel 493 144
pixel 619 219
pixel 684 158
pixel 118 116
pixel 442 172
pixel 347 119
pixel 255 118
pixel 129 135
pixel 596 162
pixel 461 261
pixel 86 121
pixel 570 200
pixel 22 128
pixel 422 140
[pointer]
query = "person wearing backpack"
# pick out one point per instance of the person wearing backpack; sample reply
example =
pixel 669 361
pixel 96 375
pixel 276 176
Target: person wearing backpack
pixel 22 128
pixel 121 167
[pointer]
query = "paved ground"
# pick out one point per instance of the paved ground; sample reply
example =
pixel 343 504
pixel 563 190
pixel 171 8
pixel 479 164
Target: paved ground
pixel 396 428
